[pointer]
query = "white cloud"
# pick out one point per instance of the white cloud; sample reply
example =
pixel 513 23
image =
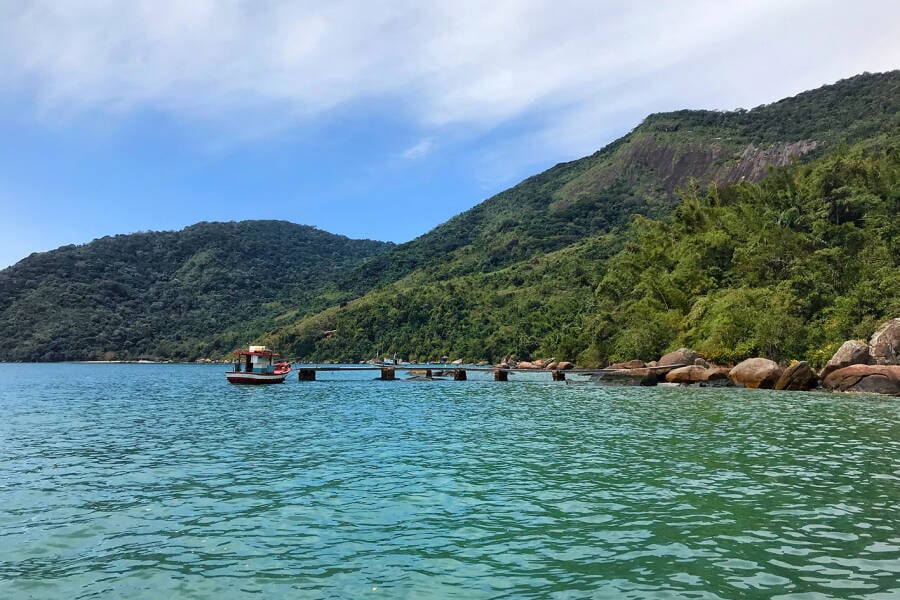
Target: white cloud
pixel 419 150
pixel 441 64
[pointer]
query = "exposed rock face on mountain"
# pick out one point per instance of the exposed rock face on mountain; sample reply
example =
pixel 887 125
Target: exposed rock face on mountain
pixel 704 159
pixel 873 379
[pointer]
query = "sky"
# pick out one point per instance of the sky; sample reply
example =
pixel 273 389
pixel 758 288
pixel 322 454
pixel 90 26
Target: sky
pixel 368 119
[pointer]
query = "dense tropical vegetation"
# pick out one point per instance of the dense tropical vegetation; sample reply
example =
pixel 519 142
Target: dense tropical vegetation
pixel 765 232
pixel 199 292
pixel 787 268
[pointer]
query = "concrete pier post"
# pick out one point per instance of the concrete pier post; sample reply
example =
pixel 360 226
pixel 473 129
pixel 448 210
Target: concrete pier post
pixel 501 375
pixel 306 374
pixel 558 375
pixel 388 374
pixel 459 375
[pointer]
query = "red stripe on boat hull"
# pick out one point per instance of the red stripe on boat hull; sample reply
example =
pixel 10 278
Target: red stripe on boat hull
pixel 256 379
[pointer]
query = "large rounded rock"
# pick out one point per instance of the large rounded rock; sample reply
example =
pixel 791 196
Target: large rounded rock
pixel 698 374
pixel 527 365
pixel 564 365
pixel 682 356
pixel 851 352
pixel 797 377
pixel 686 375
pixel 756 373
pixel 715 376
pixel 884 345
pixel 873 379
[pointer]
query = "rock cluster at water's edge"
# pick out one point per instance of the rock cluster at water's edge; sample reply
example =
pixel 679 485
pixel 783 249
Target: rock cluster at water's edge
pixel 873 379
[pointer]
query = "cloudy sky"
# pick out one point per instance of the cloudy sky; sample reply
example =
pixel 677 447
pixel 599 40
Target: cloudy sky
pixel 366 118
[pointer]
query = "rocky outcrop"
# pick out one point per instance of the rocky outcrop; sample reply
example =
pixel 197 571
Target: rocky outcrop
pixel 873 379
pixel 851 352
pixel 685 375
pixel 716 376
pixel 631 364
pixel 797 377
pixel 564 365
pixel 698 375
pixel 527 365
pixel 682 356
pixel 706 160
pixel 884 345
pixel 754 373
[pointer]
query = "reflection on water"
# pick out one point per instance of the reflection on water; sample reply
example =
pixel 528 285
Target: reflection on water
pixel 163 480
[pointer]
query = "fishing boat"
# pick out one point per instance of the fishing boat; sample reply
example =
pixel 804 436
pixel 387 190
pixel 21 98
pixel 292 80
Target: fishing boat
pixel 258 365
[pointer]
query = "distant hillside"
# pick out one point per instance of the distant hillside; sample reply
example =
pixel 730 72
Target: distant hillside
pixel 521 273
pixel 199 292
pixel 638 174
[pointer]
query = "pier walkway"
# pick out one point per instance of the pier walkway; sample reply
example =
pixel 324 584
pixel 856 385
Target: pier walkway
pixel 307 372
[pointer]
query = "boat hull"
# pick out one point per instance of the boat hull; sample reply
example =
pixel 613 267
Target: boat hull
pixel 256 378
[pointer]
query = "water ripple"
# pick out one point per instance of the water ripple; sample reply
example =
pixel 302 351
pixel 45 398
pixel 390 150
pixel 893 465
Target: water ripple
pixel 151 480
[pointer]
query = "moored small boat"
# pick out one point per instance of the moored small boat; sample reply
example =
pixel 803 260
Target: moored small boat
pixel 257 365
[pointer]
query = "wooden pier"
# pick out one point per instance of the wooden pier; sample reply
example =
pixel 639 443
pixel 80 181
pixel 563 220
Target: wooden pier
pixel 429 372
pixel 426 372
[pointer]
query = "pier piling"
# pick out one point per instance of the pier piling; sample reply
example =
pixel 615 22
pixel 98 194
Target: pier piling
pixel 501 375
pixel 306 374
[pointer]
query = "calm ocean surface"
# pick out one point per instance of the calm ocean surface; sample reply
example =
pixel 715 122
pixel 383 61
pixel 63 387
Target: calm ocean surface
pixel 163 481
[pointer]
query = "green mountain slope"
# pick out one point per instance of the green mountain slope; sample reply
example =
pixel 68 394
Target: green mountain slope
pixel 638 174
pixel 523 273
pixel 199 292
pixel 788 268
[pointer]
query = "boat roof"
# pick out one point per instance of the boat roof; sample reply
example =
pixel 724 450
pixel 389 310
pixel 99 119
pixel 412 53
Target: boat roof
pixel 256 353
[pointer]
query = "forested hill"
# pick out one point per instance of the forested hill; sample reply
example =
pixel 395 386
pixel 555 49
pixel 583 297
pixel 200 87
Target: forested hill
pixel 786 269
pixel 199 292
pixel 639 174
pixel 568 264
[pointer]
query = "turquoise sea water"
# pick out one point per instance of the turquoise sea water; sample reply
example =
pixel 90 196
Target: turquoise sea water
pixel 163 481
